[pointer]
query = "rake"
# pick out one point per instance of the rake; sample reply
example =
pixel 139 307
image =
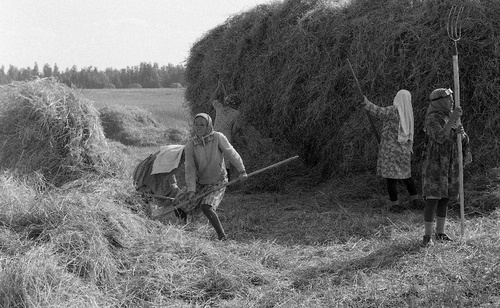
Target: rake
pixel 454 30
pixel 200 196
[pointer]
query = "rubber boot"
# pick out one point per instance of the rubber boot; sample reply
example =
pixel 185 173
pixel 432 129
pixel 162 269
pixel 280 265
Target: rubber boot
pixel 214 220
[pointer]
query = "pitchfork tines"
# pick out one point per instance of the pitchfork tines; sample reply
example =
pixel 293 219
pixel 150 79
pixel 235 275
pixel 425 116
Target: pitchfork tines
pixel 453 27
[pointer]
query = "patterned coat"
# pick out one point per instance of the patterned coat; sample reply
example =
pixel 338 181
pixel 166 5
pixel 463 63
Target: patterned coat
pixel 224 122
pixel 224 119
pixel 440 170
pixel 394 158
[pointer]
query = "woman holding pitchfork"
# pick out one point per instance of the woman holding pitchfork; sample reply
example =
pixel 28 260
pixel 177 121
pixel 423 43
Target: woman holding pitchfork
pixel 440 169
pixel 205 170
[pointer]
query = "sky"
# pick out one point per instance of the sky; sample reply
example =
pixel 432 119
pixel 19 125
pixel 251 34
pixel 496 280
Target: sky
pixel 107 33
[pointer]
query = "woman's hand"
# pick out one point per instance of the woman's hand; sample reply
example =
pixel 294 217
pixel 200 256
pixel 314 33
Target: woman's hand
pixel 457 112
pixel 190 195
pixel 461 131
pixel 365 100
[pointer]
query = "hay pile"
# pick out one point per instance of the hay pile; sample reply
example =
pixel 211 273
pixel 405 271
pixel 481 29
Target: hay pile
pixel 48 128
pixel 287 61
pixel 136 126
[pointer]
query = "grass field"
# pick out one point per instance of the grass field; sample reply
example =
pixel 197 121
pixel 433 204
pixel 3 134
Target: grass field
pixel 89 244
pixel 166 105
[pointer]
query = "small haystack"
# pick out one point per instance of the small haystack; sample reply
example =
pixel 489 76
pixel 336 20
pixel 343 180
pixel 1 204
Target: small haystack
pixel 287 61
pixel 51 129
pixel 136 126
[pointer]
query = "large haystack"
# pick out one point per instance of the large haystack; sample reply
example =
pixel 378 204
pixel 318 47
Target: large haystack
pixel 48 128
pixel 287 60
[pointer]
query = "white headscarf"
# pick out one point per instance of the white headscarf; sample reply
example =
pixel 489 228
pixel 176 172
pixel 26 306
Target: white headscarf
pixel 402 101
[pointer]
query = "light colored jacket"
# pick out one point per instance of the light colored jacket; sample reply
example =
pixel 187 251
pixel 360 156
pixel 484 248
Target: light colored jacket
pixel 205 159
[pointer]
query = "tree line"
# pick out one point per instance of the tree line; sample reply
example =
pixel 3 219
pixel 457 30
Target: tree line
pixel 145 75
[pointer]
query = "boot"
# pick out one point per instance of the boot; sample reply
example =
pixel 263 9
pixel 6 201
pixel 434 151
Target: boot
pixel 214 220
pixel 427 241
pixel 395 207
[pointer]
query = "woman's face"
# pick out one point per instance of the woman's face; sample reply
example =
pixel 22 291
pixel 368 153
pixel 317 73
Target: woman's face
pixel 450 104
pixel 200 126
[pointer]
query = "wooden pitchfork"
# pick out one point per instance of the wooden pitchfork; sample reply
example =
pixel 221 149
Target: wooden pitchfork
pixel 368 115
pixel 199 196
pixel 454 30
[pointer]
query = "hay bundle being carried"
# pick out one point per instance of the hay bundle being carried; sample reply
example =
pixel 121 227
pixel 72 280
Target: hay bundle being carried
pixel 155 177
pixel 48 128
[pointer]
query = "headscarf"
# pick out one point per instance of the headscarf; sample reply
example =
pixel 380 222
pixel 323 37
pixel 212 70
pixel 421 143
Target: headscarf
pixel 437 104
pixel 232 100
pixel 402 101
pixel 210 128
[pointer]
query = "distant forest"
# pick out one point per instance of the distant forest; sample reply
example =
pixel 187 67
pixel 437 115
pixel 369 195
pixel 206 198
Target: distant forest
pixel 145 75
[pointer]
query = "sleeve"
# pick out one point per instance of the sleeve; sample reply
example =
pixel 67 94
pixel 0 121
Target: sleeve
pixel 190 166
pixel 435 129
pixel 217 105
pixel 377 110
pixel 230 152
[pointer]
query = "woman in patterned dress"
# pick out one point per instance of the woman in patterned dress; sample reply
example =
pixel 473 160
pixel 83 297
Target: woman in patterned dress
pixel 204 167
pixel 396 146
pixel 440 169
pixel 225 118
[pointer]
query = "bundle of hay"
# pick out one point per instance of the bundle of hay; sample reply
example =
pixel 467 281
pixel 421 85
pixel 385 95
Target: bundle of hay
pixel 287 61
pixel 48 128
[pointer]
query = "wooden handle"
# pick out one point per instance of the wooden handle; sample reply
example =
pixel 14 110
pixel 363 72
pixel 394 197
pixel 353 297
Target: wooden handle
pixel 198 197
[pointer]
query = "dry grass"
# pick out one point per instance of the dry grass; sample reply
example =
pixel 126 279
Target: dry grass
pixel 48 128
pixel 89 243
pixel 287 61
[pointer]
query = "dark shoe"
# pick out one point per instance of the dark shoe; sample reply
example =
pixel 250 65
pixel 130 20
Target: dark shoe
pixel 427 241
pixel 396 207
pixel 223 238
pixel 443 237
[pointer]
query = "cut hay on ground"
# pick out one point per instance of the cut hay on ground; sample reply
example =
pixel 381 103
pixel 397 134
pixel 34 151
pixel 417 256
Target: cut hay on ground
pixel 287 61
pixel 48 128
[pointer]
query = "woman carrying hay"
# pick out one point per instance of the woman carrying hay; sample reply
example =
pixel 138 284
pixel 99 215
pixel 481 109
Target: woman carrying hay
pixel 396 147
pixel 440 169
pixel 155 175
pixel 225 118
pixel 205 167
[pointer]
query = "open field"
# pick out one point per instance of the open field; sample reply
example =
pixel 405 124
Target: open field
pixel 90 244
pixel 166 105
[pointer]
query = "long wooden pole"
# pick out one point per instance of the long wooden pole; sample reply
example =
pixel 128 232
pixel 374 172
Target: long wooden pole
pixel 198 197
pixel 456 80
pixel 370 119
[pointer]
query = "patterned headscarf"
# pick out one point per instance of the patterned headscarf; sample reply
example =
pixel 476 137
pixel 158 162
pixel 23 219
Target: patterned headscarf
pixel 437 103
pixel 402 101
pixel 232 100
pixel 210 127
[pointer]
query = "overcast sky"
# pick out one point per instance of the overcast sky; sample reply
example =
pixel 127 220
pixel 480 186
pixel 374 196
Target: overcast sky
pixel 107 33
